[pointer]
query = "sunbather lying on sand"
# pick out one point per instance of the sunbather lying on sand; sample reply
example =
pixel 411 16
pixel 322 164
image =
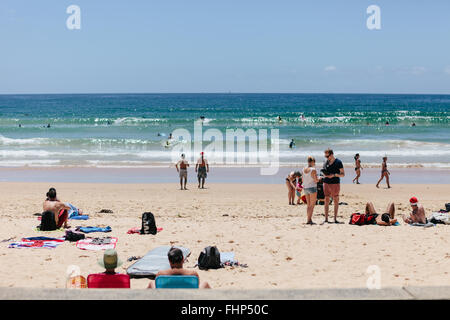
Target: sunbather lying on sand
pixel 385 219
pixel 418 212
pixel 176 268
pixel 60 210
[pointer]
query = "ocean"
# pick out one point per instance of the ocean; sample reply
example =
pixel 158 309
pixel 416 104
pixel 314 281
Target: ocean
pixel 131 130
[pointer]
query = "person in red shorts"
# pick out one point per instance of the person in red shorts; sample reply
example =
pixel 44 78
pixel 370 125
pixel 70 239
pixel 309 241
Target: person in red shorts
pixel 333 170
pixel 59 209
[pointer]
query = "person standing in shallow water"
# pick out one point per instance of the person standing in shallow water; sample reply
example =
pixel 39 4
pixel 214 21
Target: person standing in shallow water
pixel 202 169
pixel 182 166
pixel 384 173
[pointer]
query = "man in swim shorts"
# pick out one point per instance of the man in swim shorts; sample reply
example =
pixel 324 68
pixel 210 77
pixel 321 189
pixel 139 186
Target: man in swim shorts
pixel 176 261
pixel 333 170
pixel 182 166
pixel 385 219
pixel 59 209
pixel 202 169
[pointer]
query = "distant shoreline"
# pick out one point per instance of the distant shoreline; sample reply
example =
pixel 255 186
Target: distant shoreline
pixel 238 175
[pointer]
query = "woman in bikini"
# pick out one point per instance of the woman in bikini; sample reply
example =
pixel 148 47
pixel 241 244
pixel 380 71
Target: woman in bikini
pixel 357 168
pixel 384 173
pixel 291 182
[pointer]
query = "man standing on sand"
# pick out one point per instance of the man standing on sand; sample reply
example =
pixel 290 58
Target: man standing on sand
pixel 202 169
pixel 59 209
pixel 418 212
pixel 182 170
pixel 333 170
pixel 176 261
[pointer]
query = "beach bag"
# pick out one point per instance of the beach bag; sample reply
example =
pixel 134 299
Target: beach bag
pixel 48 222
pixel 447 207
pixel 320 193
pixel 148 223
pixel 209 258
pixel 74 236
pixel 361 219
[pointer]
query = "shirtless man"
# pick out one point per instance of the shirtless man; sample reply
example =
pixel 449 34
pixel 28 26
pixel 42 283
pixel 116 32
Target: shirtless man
pixel 182 166
pixel 176 260
pixel 202 169
pixel 418 212
pixel 385 219
pixel 59 209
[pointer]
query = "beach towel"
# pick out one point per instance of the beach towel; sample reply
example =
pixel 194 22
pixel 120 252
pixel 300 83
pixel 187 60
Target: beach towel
pixel 37 242
pixel 227 257
pixel 97 243
pixel 440 217
pixel 57 230
pixel 83 217
pixel 93 229
pixel 138 230
pixel 153 262
pixel 73 210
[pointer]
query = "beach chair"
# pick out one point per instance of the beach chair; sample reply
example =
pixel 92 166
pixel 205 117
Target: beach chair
pixel 107 281
pixel 176 282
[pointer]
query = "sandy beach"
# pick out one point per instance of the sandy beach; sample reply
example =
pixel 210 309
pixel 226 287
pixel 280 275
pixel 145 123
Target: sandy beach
pixel 253 220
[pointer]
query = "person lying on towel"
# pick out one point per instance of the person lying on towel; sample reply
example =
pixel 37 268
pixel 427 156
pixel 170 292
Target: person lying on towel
pixel 385 219
pixel 176 261
pixel 417 214
pixel 59 209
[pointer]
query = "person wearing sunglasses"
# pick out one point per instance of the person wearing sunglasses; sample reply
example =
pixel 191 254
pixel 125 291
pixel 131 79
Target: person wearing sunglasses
pixel 333 171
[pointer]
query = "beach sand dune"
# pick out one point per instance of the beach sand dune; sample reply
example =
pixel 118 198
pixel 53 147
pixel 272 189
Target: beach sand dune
pixel 254 221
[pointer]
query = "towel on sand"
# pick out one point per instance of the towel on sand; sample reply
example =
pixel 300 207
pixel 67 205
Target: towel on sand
pixel 37 242
pixel 97 243
pixel 83 217
pixel 93 229
pixel 138 230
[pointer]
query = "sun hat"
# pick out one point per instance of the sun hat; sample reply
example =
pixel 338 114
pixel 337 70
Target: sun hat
pixel 413 201
pixel 110 260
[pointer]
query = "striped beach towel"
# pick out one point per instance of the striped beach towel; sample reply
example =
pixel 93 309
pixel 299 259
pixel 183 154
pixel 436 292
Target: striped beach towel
pixel 97 243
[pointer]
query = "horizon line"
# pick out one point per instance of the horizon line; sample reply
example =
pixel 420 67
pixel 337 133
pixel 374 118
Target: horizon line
pixel 227 92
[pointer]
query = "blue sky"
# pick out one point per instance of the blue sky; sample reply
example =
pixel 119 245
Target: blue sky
pixel 222 46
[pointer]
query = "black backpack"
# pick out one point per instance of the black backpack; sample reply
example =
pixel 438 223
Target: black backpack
pixel 148 223
pixel 209 259
pixel 74 236
pixel 48 222
pixel 320 193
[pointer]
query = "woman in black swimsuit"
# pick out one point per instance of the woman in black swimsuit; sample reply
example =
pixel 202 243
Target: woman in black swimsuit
pixel 357 168
pixel 384 173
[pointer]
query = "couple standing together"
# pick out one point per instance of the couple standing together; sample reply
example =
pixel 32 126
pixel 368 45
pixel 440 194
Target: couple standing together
pixel 332 171
pixel 202 169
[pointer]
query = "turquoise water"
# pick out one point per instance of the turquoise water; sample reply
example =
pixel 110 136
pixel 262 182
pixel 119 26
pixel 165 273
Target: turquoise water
pixel 130 130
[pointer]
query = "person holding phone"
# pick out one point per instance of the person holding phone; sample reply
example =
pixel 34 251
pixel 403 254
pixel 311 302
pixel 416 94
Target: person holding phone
pixel 333 170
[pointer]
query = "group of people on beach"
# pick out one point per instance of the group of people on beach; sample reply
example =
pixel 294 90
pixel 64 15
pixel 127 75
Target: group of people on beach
pixel 333 170
pixel 331 174
pixel 201 167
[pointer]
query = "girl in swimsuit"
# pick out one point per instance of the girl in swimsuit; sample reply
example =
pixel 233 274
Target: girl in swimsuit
pixel 384 173
pixel 291 181
pixel 357 168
